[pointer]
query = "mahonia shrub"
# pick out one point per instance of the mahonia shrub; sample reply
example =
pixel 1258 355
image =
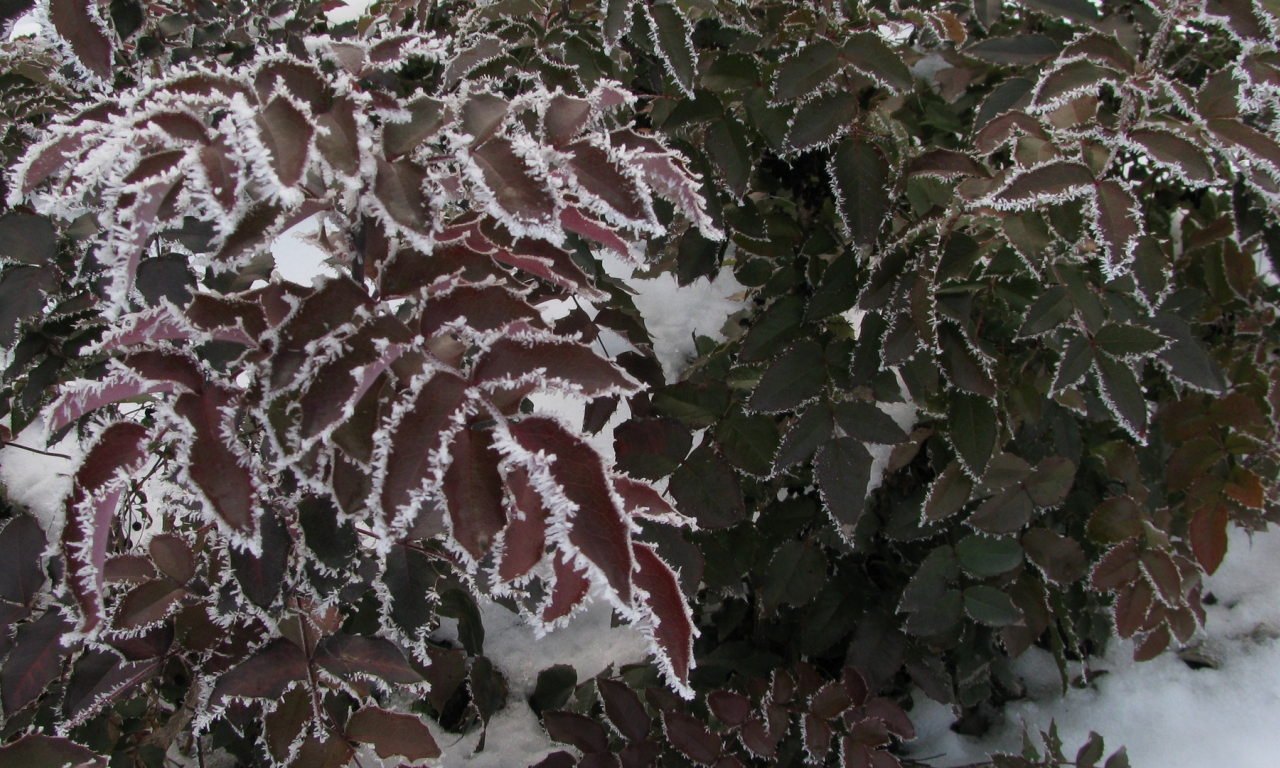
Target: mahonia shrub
pixel 1004 375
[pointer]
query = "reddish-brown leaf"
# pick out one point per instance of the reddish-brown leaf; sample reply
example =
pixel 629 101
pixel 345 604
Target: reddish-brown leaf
pixel 1060 557
pixel 1116 568
pixel 416 437
pixel 35 661
pixel 597 528
pixel 85 35
pixel 830 700
pixel 173 557
pixel 1117 220
pixel 512 184
pixel 730 707
pixel 483 308
pixel 393 734
pixel 562 364
pixel 671 615
pixel 265 675
pixel 129 569
pixel 525 540
pixel 568 590
pixel 691 737
pixel 353 657
pixel 817 738
pixel 213 466
pixel 283 725
pixel 21 544
pixel 473 491
pixel 576 730
pixel 599 176
pixel 897 721
pixel 398 186
pixel 35 750
pixel 624 708
pixel 147 603
pixel 1131 606
pixel 1209 535
pixel 331 752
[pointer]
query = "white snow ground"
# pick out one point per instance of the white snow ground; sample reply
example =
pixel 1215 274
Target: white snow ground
pixel 1165 713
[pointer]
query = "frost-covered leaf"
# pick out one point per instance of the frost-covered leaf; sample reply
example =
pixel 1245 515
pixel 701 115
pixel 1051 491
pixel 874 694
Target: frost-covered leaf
pixel 426 117
pixel 286 133
pixel 706 489
pixel 1175 152
pixel 986 556
pixel 864 421
pixel 821 120
pixel 1127 341
pixel 949 492
pixel 146 604
pixel 597 528
pixel 398 186
pixel 1015 51
pixel 576 730
pixel 691 737
pixel 35 660
pixel 726 142
pixel 1123 394
pixel 84 32
pixel 972 427
pixel 963 368
pixel 21 544
pixel 267 674
pixel 482 115
pixel 869 54
pixel 1047 313
pixel 511 184
pixel 795 575
pixel 990 606
pixel 1118 221
pixel 416 438
pixel 670 32
pixel 945 163
pixel 860 182
pixel 27 239
pixel 806 434
pixel 600 176
pixel 36 750
pixel 806 70
pixel 173 557
pixel 351 657
pixel 550 363
pixel 568 590
pixel 22 294
pixel 215 469
pixel 842 470
pixel 792 379
pixel 1049 182
pixel 1208 533
pixel 473 490
pixel 260 576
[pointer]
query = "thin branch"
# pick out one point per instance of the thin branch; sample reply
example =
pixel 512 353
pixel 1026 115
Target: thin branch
pixel 12 444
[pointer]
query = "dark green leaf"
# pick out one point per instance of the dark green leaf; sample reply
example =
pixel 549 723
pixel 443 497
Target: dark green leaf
pixel 1047 313
pixel 706 489
pixel 1019 50
pixel 28 239
pixel 843 472
pixel 972 427
pixel 806 70
pixel 822 120
pixel 1076 362
pixel 984 556
pixel 866 422
pixel 949 492
pixel 990 606
pixel 806 435
pixel 860 180
pixel 792 379
pixel 727 144
pixel 869 54
pixel 796 574
pixel 961 363
pixel 671 35
pixel 22 294
pixel 1123 395
pixel 749 442
pixel 777 327
pixel 1122 340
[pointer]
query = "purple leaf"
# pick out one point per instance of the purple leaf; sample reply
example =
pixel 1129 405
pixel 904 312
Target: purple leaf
pixel 352 657
pixel 84 33
pixel 214 468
